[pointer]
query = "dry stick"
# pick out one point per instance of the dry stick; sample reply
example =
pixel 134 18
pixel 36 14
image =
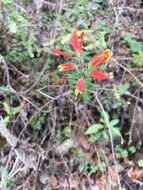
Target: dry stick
pixel 61 3
pixel 11 139
pixel 15 169
pixel 2 61
pixel 54 5
pixel 132 124
pixel 11 89
pixel 3 175
pixel 111 140
pixel 115 12
pixel 36 82
pixel 126 69
pixel 137 181
pixel 30 102
pixel 29 160
pixel 125 93
pixel 52 100
pixel 18 6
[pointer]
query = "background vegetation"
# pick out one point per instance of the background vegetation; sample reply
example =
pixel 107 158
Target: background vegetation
pixel 49 139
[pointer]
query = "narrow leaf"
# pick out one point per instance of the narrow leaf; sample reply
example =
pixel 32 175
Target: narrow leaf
pixel 94 129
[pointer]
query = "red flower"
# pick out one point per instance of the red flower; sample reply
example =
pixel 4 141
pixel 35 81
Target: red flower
pixel 77 44
pixel 59 52
pixel 99 75
pixel 101 57
pixel 79 88
pixel 66 67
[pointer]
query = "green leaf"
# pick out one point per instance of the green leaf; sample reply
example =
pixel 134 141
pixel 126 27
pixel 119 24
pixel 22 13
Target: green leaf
pixel 124 153
pixel 116 133
pixel 6 120
pixel 11 110
pixel 105 137
pixel 105 116
pixel 4 178
pixel 12 27
pixel 99 1
pixel 94 168
pixel 120 152
pixel 128 36
pixel 114 122
pixel 33 122
pixel 132 149
pixel 123 88
pixel 15 110
pixel 95 137
pixel 7 2
pixel 101 36
pixel 136 46
pixel 6 107
pixel 138 59
pixel 65 38
pixel 94 129
pixel 83 2
pixel 114 184
pixel 140 163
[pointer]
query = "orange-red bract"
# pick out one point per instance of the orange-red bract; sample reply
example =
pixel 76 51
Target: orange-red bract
pixel 101 57
pixel 60 81
pixel 99 75
pixel 79 88
pixel 59 52
pixel 76 43
pixel 66 67
pixel 82 36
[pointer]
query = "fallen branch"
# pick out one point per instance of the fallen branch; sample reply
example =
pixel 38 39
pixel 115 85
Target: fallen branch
pixel 28 156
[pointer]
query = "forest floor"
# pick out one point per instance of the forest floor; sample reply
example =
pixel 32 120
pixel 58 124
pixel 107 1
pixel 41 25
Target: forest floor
pixel 50 140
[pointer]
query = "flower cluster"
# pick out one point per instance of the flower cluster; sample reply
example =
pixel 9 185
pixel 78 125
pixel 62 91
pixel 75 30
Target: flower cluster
pixel 77 45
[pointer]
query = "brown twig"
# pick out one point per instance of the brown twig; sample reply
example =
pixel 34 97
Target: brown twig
pixel 132 124
pixel 28 157
pixel 111 140
pixel 126 69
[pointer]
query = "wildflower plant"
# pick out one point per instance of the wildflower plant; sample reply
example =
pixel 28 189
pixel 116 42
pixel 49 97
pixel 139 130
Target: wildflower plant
pixel 80 73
